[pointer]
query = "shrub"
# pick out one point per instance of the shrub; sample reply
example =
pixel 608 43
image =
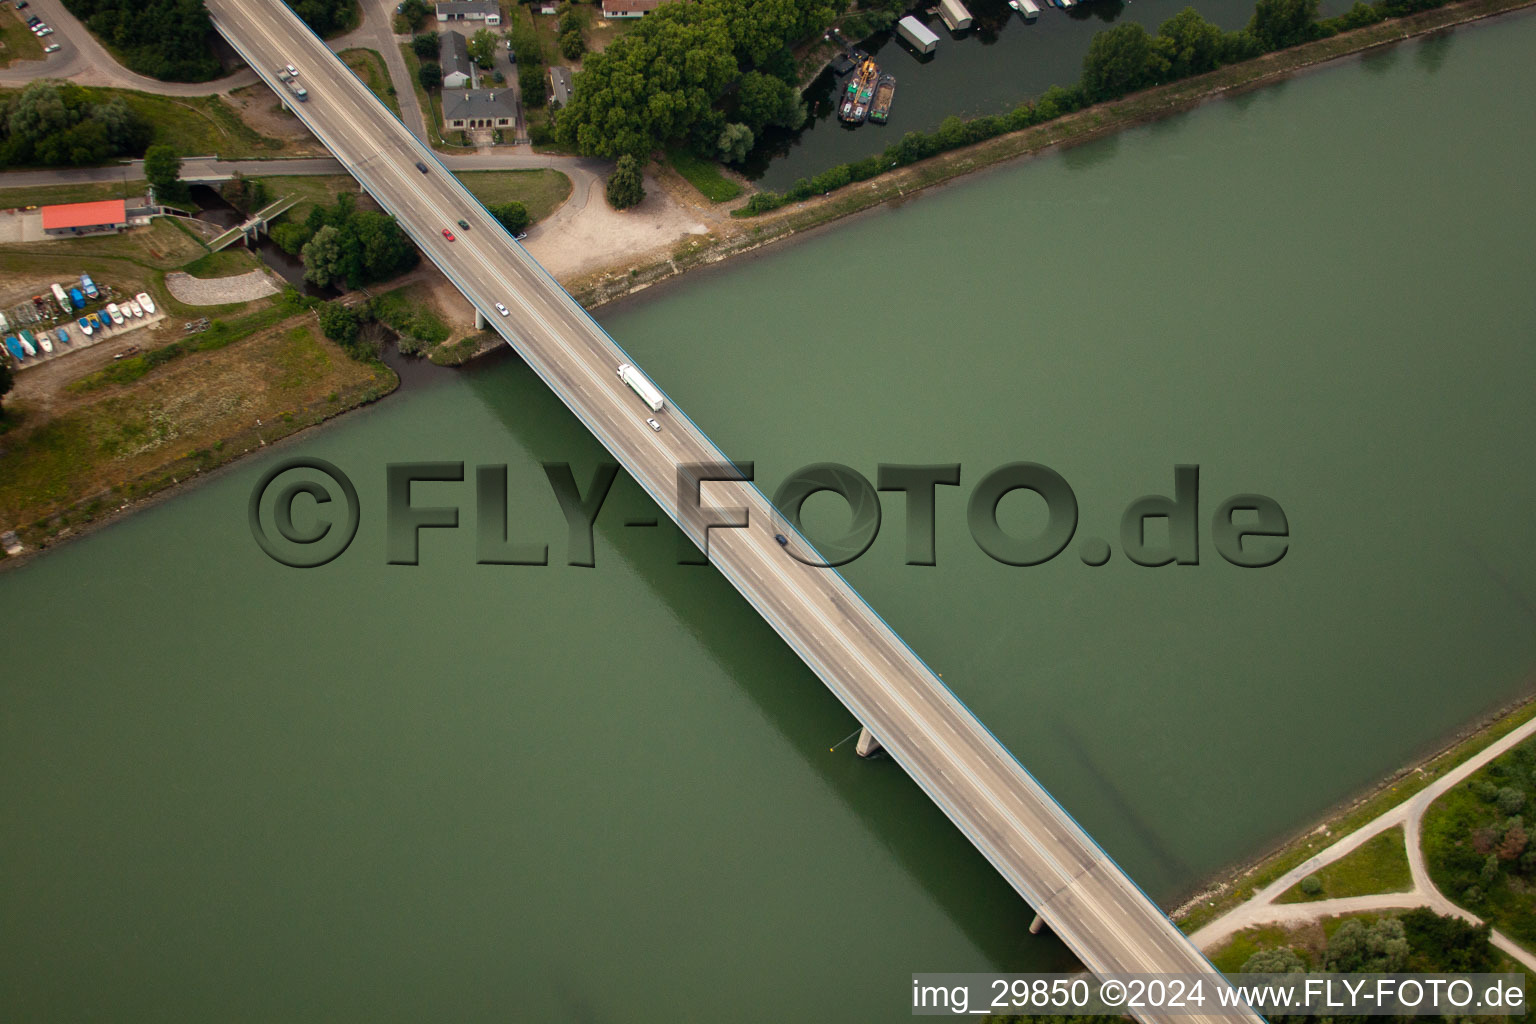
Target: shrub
pixel 1311 885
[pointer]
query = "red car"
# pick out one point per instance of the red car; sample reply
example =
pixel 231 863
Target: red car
pixel 448 234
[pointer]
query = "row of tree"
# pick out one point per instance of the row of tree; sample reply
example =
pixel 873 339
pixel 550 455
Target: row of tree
pixel 59 124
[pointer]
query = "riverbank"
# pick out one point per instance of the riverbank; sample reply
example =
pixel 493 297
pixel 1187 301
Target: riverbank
pixel 748 234
pixel 1231 890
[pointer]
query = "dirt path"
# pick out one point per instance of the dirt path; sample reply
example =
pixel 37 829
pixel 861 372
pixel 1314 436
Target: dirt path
pixel 1262 908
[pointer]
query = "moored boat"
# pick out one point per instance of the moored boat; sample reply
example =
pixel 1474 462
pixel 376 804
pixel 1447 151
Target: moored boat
pixel 885 92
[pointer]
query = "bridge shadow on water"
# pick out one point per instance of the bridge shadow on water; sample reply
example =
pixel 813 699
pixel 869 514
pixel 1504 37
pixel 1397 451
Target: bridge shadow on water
pixel 878 793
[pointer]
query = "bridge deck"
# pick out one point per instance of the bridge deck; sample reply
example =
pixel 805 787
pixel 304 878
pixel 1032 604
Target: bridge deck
pixel 1085 898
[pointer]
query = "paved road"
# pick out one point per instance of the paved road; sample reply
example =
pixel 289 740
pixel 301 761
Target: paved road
pixel 1084 897
pixel 82 59
pixel 1261 908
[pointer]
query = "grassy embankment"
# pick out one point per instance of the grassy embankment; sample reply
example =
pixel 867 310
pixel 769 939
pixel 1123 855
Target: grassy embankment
pixel 1477 846
pixel 1395 790
pixel 80 444
pixel 16 40
pixel 369 66
pixel 193 125
pixel 704 175
pixel 1379 865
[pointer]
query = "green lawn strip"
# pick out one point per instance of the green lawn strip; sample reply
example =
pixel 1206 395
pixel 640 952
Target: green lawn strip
pixel 1379 865
pixel 196 125
pixel 224 263
pixel 1229 959
pixel 704 175
pixel 541 190
pixel 1476 844
pixel 312 190
pixel 369 66
pixel 19 42
pixel 161 244
pixel 1396 790
pixel 85 192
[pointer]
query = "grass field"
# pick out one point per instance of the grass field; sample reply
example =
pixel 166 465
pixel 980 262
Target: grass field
pixel 224 263
pixel 161 244
pixel 183 416
pixel 16 40
pixel 193 125
pixel 369 66
pixel 704 175
pixel 542 190
pixel 312 190
pixel 1379 865
pixel 42 195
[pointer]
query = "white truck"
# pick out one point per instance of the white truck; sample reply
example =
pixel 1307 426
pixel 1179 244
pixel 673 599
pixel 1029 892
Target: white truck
pixel 642 387
pixel 291 80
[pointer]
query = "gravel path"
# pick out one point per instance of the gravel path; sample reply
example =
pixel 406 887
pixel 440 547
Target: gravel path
pixel 216 291
pixel 1262 909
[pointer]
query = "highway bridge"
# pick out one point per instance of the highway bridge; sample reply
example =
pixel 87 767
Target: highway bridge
pixel 1109 923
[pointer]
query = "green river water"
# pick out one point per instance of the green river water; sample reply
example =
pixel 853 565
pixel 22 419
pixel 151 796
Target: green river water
pixel 235 791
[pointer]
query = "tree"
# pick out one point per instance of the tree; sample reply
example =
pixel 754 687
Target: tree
pixel 482 48
pixel 1514 842
pixel 763 100
pixel 289 236
pixel 1378 948
pixel 245 194
pixel 425 45
pixel 1311 885
pixel 626 187
pixel 735 143
pixel 530 79
pixel 430 75
pixel 1443 943
pixel 1510 799
pixel 1280 960
pixel 572 46
pixel 414 12
pixel 1191 44
pixel 322 258
pixel 340 324
pixel 1277 24
pixel 162 169
pixel 1120 60
pixel 513 215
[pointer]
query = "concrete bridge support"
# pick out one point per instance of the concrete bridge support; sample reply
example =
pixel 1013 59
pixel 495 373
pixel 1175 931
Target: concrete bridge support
pixel 481 323
pixel 1035 925
pixel 867 746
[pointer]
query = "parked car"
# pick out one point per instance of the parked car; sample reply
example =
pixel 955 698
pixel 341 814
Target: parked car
pixel 33 20
pixel 44 31
pixel 21 5
pixel 51 47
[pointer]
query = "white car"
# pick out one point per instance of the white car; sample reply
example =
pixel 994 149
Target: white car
pixel 147 302
pixel 115 313
pixel 135 308
pixel 43 30
pixel 291 70
pixel 51 48
pixel 502 310
pixel 653 424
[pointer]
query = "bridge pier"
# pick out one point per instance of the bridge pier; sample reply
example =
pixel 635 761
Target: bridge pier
pixel 867 746
pixel 1035 925
pixel 481 323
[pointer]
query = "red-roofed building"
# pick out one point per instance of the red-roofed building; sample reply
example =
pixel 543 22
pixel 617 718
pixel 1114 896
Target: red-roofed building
pixel 629 8
pixel 85 218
